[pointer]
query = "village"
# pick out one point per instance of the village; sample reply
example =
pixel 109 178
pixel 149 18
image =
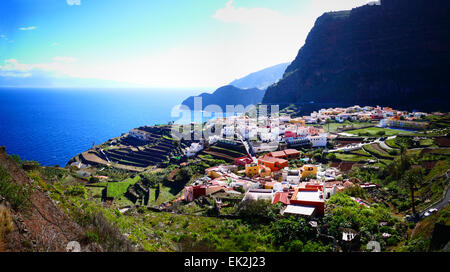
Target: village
pixel 280 173
pixel 252 171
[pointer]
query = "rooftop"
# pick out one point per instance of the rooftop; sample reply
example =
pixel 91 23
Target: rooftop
pixel 272 159
pixel 308 196
pixel 300 210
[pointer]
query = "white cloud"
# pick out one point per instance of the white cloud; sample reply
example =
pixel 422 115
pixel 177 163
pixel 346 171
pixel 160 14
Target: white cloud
pixel 27 28
pixel 73 2
pixel 59 67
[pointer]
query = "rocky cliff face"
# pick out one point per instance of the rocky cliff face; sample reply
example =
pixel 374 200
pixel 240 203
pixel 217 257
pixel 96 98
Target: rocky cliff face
pixel 396 54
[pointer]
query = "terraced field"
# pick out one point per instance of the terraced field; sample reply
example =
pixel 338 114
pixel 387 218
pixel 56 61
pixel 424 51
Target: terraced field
pixel 376 131
pixel 134 154
pixel 378 152
pixel 225 151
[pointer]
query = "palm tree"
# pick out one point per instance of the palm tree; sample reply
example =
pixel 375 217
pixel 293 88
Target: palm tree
pixel 412 178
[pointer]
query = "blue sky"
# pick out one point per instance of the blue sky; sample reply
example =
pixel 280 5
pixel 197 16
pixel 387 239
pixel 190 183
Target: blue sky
pixel 189 43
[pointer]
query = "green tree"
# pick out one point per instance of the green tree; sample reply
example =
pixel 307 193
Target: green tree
pixel 289 229
pixel 412 178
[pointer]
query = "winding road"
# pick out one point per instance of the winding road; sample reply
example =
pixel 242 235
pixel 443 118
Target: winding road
pixel 444 202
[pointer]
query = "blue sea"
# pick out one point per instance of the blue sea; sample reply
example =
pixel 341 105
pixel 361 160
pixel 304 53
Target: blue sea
pixel 53 125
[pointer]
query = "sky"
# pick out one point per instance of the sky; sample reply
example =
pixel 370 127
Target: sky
pixel 171 43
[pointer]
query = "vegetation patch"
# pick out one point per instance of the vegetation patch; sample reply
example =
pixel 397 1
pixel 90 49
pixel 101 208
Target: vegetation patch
pixel 116 189
pixel 16 194
pixel 378 132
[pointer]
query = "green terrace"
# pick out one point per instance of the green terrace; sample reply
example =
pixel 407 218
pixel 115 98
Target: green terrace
pixel 376 132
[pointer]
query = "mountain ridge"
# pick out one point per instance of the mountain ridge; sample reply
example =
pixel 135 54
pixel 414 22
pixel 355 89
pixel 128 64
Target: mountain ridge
pixel 261 79
pixel 227 95
pixel 248 90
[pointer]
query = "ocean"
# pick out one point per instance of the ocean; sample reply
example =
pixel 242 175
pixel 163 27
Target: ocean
pixel 53 125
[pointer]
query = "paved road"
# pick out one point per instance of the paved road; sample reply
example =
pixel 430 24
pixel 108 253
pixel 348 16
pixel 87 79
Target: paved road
pixel 444 202
pixel 384 145
pixel 354 147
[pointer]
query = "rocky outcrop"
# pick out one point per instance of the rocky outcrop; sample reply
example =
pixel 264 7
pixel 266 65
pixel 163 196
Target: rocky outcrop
pixel 395 54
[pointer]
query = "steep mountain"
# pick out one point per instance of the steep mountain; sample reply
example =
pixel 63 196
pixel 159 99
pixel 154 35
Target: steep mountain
pixel 228 95
pixel 261 79
pixel 395 53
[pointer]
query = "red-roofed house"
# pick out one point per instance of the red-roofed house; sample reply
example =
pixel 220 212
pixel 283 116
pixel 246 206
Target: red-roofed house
pixel 243 160
pixel 282 197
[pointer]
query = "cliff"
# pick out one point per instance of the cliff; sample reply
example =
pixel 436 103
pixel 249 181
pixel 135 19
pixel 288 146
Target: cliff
pixel 228 95
pixel 395 54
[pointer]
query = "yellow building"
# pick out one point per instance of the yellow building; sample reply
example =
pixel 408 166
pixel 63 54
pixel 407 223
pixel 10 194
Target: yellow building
pixel 251 170
pixel 214 174
pixel 300 121
pixel 393 122
pixel 309 170
pixel 265 172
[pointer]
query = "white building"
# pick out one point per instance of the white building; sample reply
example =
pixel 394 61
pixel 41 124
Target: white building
pixel 214 139
pixel 228 131
pixel 291 176
pixel 194 149
pixel 285 118
pixel 383 123
pixel 140 135
pixel 319 140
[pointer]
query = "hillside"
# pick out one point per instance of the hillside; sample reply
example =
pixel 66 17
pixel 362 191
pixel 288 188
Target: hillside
pixel 393 53
pixel 228 95
pixel 36 223
pixel 261 79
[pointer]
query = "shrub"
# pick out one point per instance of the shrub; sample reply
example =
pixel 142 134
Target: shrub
pixel 257 211
pixel 94 180
pixel 393 152
pixel 16 194
pixel 76 190
pixel 355 191
pixel 289 229
pixel 16 159
pixel 108 235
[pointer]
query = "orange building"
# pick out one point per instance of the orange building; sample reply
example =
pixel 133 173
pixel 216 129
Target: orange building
pixel 309 197
pixel 278 154
pixel 287 154
pixel 292 154
pixel 274 164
